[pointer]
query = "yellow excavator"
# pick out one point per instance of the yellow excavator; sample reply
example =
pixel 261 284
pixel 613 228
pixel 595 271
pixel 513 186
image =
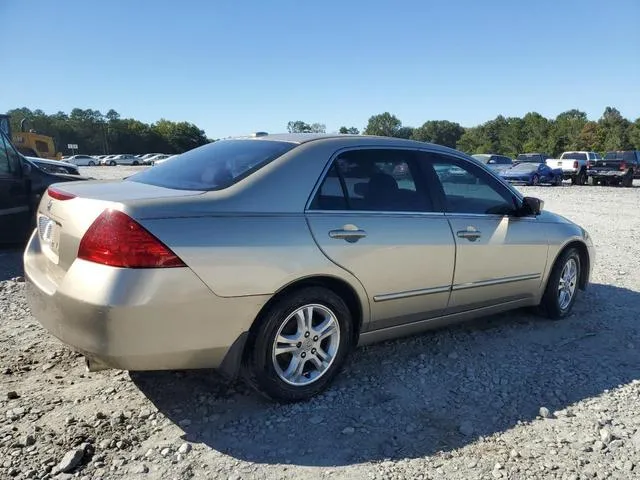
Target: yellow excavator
pixel 29 142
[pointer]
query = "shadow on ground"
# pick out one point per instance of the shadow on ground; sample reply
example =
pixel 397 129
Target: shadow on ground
pixel 10 262
pixel 408 398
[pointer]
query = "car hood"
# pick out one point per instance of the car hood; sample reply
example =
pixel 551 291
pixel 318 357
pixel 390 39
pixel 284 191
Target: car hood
pixel 550 217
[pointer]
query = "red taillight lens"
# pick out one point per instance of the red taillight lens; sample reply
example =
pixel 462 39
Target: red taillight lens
pixel 117 240
pixel 575 164
pixel 58 194
pixel 623 166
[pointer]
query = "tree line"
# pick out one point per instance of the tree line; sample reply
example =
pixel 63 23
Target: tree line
pixel 95 133
pixel 570 130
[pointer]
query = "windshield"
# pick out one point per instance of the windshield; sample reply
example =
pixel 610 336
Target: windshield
pixel 214 166
pixel 525 167
pixel 524 157
pixel 574 156
pixel 481 157
pixel 626 156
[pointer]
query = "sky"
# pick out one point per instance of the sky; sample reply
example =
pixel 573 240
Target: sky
pixel 239 66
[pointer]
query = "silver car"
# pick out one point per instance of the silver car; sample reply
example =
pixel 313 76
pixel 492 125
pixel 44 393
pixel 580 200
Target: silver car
pixel 274 256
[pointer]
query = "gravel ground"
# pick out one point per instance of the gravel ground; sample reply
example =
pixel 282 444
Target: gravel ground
pixel 511 396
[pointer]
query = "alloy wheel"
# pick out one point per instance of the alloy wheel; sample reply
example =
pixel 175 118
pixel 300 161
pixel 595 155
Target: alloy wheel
pixel 567 283
pixel 306 345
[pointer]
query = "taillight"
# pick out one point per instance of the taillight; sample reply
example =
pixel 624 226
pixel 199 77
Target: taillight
pixel 623 166
pixel 575 164
pixel 117 240
pixel 58 194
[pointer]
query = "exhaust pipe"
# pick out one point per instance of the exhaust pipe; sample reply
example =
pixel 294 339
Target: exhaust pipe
pixel 93 365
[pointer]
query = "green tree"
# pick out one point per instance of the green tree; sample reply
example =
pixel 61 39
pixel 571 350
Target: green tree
pixel 565 131
pixel 350 130
pixel 298 126
pixel 441 132
pixel 614 130
pixel 384 124
pixel 633 134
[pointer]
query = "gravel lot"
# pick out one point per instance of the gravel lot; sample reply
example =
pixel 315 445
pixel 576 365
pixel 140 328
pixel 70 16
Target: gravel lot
pixel 511 396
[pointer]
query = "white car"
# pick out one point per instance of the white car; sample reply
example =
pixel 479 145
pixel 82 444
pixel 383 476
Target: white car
pixel 82 160
pixel 155 158
pixel 162 160
pixel 123 159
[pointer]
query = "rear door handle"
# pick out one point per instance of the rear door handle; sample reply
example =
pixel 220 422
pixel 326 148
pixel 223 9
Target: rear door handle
pixel 471 234
pixel 350 233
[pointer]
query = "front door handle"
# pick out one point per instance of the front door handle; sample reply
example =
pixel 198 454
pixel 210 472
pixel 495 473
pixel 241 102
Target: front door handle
pixel 350 233
pixel 471 234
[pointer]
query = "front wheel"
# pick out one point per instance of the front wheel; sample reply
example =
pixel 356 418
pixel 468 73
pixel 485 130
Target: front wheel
pixel 627 181
pixel 112 163
pixel 562 287
pixel 92 163
pixel 558 181
pixel 135 162
pixel 299 346
pixel 535 180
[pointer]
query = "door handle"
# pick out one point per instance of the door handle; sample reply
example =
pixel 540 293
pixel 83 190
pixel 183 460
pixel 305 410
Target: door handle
pixel 471 234
pixel 350 233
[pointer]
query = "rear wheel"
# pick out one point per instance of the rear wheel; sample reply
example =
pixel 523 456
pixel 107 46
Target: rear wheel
pixel 558 181
pixel 535 180
pixel 627 181
pixel 112 163
pixel 135 162
pixel 562 287
pixel 92 163
pixel 299 346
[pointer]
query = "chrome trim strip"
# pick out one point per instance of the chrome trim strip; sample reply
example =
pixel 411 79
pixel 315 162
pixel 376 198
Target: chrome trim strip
pixel 374 213
pixel 410 293
pixel 497 281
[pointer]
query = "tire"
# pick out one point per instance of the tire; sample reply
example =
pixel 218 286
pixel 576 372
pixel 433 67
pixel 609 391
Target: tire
pixel 92 163
pixel 627 181
pixel 269 373
pixel 554 305
pixel 535 180
pixel 112 163
pixel 592 181
pixel 135 162
pixel 557 181
pixel 582 178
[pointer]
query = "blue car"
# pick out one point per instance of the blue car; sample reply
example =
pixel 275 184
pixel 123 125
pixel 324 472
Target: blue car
pixel 532 173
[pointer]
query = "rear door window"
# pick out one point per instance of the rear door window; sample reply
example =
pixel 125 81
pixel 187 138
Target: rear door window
pixel 374 180
pixel 214 166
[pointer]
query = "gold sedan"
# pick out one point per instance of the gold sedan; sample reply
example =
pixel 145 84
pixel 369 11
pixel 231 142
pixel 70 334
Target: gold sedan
pixel 275 255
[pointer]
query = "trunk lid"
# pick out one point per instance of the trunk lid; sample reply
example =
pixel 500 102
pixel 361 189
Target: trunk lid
pixel 63 217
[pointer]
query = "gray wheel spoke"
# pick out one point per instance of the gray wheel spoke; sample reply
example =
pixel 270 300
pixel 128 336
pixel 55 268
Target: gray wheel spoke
pixel 320 365
pixel 295 368
pixel 326 328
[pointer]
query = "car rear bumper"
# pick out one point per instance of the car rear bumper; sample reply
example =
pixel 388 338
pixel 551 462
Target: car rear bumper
pixel 137 319
pixel 606 173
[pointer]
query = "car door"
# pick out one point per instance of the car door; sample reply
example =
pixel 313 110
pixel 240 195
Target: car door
pixel 500 257
pixel 14 195
pixel 372 215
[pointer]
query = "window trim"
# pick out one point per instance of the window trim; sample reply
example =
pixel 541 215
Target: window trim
pixel 329 164
pixel 15 170
pixel 438 190
pixel 517 196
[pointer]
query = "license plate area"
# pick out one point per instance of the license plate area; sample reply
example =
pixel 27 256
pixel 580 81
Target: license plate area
pixel 49 232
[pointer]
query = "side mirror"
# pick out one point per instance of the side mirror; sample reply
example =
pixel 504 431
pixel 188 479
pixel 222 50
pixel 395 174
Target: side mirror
pixel 531 206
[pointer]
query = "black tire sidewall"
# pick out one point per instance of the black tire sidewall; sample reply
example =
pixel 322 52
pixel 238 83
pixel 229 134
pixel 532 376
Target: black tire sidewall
pixel 550 300
pixel 259 366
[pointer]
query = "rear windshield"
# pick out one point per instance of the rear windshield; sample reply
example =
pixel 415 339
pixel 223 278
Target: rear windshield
pixel 626 156
pixel 525 167
pixel 574 156
pixel 214 166
pixel 528 157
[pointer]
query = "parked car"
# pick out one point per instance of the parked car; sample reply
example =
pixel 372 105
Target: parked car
pixel 207 261
pixel 619 167
pixel 154 158
pixel 122 159
pixel 163 160
pixel 54 166
pixel 22 183
pixel 82 160
pixel 531 173
pixel 574 165
pixel 497 163
pixel 532 157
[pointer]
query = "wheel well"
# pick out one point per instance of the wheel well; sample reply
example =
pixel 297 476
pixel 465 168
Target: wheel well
pixel 337 286
pixel 584 260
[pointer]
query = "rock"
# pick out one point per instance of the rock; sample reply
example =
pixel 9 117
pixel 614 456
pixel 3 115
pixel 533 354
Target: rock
pixel 100 415
pixel 544 412
pixel 28 440
pixel 140 468
pixel 184 448
pixel 514 454
pixel 47 366
pixel 165 452
pixel 104 444
pixel 466 428
pixel 316 420
pixel 70 460
pixel 598 445
pixel 12 395
pixel 144 413
pixel 348 430
pixel 628 466
pixel 605 436
pixel 19 279
pixel 635 440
